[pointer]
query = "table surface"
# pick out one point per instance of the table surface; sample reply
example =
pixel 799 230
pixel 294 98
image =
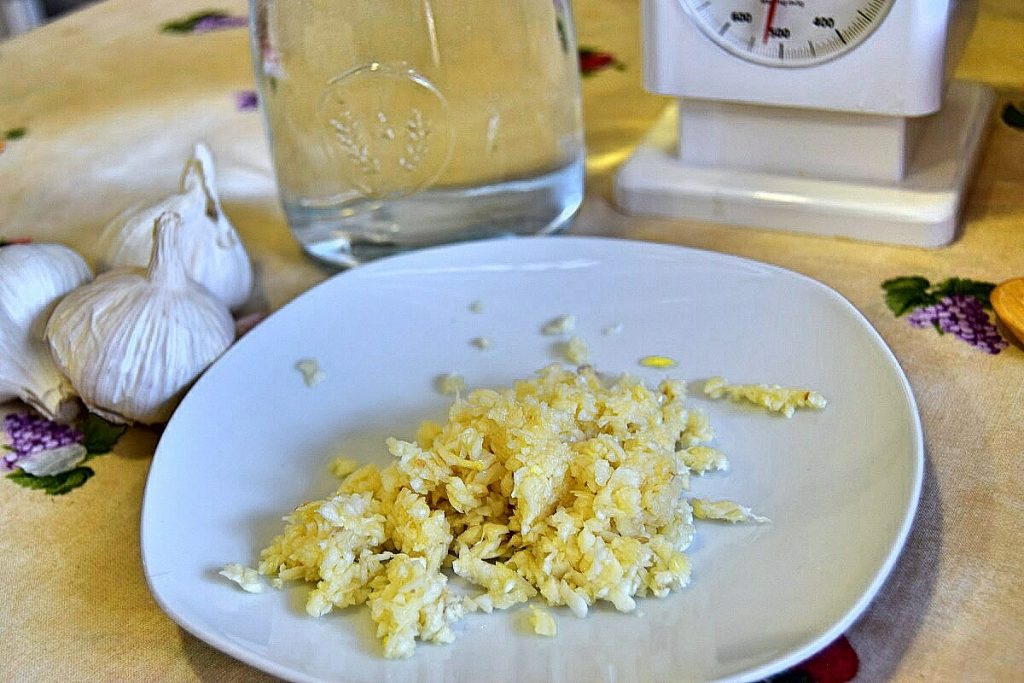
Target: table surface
pixel 111 105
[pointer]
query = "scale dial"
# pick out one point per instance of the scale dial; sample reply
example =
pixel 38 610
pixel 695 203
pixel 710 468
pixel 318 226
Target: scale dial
pixel 788 33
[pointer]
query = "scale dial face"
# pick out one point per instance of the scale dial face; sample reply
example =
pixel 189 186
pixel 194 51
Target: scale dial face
pixel 788 33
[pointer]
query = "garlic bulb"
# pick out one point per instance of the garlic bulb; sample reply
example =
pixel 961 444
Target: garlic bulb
pixel 213 254
pixel 133 340
pixel 33 277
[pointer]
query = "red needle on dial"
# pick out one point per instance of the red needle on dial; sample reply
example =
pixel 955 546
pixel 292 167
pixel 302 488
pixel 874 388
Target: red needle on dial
pixel 771 17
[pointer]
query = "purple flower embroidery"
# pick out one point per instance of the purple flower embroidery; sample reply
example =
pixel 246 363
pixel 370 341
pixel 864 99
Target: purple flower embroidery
pixel 246 100
pixel 29 434
pixel 955 305
pixel 964 317
pixel 219 23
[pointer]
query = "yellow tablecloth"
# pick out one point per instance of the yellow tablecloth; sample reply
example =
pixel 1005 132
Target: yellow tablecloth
pixel 111 106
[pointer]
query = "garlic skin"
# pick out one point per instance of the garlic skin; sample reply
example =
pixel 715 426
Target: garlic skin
pixel 133 340
pixel 211 250
pixel 33 277
pixel 54 461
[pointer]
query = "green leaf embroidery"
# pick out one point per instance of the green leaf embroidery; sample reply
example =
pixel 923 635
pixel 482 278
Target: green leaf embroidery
pixel 956 286
pixel 100 435
pixel 55 485
pixel 15 133
pixel 1013 116
pixel 903 294
pixel 188 24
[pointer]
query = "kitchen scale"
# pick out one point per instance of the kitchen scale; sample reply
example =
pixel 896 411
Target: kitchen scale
pixel 831 117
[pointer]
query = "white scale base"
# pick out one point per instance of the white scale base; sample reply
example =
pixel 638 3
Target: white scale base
pixel 923 209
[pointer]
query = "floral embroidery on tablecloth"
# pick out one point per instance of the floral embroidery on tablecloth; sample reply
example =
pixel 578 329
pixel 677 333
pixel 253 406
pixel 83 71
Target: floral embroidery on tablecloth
pixel 27 436
pixel 955 306
pixel 1013 116
pixel 247 100
pixel 205 22
pixel 10 135
pixel 208 21
pixel 837 663
pixel 593 61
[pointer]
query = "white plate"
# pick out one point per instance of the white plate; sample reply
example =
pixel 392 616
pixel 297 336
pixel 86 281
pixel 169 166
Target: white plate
pixel 251 441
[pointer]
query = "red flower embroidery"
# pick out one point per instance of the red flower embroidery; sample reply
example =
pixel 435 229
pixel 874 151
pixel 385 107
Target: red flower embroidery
pixel 592 61
pixel 837 663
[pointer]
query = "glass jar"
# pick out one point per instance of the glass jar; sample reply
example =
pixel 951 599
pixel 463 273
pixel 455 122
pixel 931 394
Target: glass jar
pixel 399 124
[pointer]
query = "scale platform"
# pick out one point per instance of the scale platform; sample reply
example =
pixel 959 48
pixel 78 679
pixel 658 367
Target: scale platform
pixel 923 209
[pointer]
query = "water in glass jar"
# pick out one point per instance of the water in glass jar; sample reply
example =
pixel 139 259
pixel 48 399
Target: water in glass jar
pixel 398 124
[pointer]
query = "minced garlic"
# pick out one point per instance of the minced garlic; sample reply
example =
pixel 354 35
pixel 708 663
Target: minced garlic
pixel 311 372
pixel 724 510
pixel 563 324
pixel 482 343
pixel 342 467
pixel 248 579
pixel 542 622
pixel 451 383
pixel 773 397
pixel 576 350
pixel 562 488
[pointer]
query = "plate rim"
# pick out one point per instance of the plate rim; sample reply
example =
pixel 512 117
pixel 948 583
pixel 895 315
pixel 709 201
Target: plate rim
pixel 772 666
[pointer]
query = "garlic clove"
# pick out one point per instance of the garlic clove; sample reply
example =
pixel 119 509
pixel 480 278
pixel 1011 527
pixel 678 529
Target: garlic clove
pixel 134 340
pixel 127 241
pixel 33 277
pixel 213 254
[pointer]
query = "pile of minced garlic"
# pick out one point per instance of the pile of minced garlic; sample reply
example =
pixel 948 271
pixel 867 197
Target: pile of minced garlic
pixel 563 488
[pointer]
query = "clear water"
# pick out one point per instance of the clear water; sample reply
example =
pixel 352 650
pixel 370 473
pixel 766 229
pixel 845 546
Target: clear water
pixel 401 124
pixel 354 232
